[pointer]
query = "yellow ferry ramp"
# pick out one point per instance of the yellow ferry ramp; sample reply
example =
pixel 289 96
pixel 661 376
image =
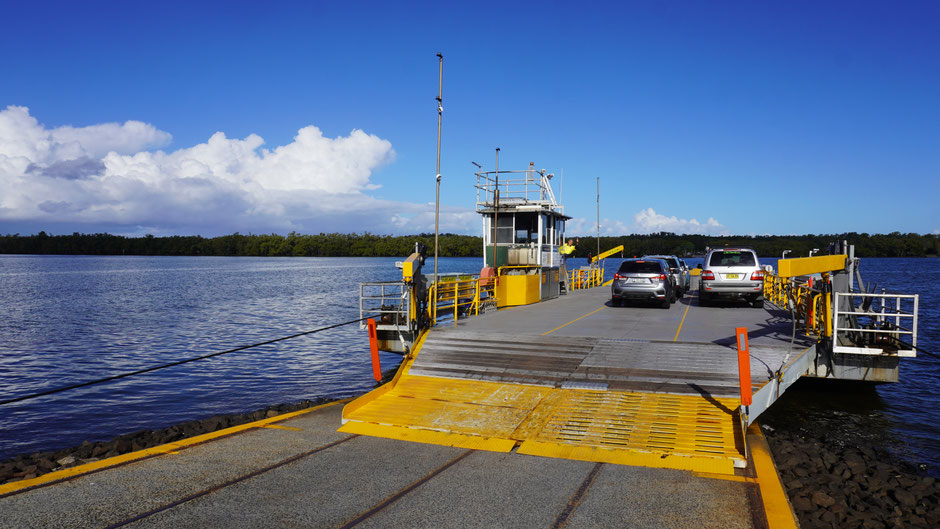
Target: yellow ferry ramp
pixel 685 432
pixel 473 414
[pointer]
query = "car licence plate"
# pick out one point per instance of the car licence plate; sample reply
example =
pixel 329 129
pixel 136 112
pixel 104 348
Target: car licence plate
pixel 637 280
pixel 731 276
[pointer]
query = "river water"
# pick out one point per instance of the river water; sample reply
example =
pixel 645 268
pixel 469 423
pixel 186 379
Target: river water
pixel 70 319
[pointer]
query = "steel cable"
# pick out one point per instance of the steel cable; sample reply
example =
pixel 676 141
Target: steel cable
pixel 171 364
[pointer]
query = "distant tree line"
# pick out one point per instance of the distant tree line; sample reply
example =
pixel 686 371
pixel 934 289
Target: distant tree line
pixel 370 245
pixel 894 244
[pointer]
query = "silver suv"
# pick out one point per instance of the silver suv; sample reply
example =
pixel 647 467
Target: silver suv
pixel 644 279
pixel 732 273
pixel 680 277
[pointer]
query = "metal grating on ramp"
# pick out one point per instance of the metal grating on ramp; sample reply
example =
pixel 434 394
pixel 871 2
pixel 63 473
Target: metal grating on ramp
pixel 671 431
pixel 675 431
pixel 464 413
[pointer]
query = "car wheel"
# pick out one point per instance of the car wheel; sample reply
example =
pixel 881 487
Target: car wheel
pixel 679 293
pixel 758 303
pixel 703 300
pixel 616 302
pixel 672 298
pixel 665 304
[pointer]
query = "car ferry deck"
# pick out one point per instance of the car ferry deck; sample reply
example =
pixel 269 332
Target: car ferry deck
pixel 525 398
pixel 634 406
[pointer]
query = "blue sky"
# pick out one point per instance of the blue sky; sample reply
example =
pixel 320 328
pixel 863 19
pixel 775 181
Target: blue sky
pixel 698 117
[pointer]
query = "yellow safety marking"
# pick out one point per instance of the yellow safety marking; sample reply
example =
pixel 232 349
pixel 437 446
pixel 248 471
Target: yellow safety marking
pixel 403 433
pixel 625 457
pixel 168 448
pixel 725 477
pixel 572 321
pixel 608 283
pixel 279 427
pixel 777 507
pixel 687 307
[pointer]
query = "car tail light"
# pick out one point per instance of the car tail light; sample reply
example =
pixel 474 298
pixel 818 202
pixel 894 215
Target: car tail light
pixel 708 275
pixel 662 277
pixel 757 276
pixel 618 276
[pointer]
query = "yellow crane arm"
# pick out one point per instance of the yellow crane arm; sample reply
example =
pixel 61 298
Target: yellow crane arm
pixel 608 253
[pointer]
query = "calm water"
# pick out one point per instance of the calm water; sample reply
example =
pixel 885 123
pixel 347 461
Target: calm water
pixel 68 319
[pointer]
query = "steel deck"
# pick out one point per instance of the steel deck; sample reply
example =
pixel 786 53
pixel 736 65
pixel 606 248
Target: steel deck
pixel 579 378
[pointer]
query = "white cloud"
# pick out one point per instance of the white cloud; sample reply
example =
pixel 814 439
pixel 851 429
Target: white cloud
pixel 646 221
pixel 103 175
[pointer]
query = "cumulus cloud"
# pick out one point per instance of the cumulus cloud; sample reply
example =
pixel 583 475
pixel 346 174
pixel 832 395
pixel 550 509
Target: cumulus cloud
pixel 646 221
pixel 104 175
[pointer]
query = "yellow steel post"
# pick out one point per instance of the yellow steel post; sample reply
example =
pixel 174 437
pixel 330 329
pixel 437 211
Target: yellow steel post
pixel 815 313
pixel 476 297
pixel 432 303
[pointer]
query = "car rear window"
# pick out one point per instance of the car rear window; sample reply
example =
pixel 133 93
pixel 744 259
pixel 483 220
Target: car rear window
pixel 640 267
pixel 669 260
pixel 732 259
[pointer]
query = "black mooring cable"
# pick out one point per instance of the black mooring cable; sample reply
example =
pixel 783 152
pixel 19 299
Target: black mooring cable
pixel 149 369
pixel 919 350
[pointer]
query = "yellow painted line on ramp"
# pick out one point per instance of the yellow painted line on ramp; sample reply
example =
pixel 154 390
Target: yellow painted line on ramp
pixel 725 477
pixel 279 427
pixel 169 448
pixel 572 321
pixel 687 307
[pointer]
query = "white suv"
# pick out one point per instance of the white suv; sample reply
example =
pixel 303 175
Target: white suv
pixel 732 273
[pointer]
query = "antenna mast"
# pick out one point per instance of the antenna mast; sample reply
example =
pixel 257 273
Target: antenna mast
pixel 437 194
pixel 598 216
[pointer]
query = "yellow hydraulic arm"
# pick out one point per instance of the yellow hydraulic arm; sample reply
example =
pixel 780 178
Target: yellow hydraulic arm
pixel 803 266
pixel 608 253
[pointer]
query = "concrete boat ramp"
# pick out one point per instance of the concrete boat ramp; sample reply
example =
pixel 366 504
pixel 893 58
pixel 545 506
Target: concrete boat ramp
pixel 567 413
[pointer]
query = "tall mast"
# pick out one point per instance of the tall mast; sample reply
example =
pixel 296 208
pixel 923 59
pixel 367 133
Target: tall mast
pixel 496 211
pixel 437 194
pixel 598 216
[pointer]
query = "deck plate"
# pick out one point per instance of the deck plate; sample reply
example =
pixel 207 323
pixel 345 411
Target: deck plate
pixel 687 432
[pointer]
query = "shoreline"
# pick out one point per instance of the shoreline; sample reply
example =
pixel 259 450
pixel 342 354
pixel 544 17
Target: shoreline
pixel 28 466
pixel 839 461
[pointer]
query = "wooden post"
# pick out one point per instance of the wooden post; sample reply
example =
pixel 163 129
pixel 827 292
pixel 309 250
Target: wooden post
pixel 744 365
pixel 374 347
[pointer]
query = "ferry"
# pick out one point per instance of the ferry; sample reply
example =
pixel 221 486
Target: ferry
pixel 524 398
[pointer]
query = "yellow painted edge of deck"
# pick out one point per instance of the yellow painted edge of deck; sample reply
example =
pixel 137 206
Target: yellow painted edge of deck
pixel 777 506
pixel 169 448
pixel 362 400
pixel 725 477
pixel 608 283
pixel 401 433
pixel 627 457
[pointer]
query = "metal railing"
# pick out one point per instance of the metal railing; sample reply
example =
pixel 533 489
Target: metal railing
pixel 810 304
pixel 876 324
pixel 388 302
pixel 585 278
pixel 460 296
pixel 528 186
